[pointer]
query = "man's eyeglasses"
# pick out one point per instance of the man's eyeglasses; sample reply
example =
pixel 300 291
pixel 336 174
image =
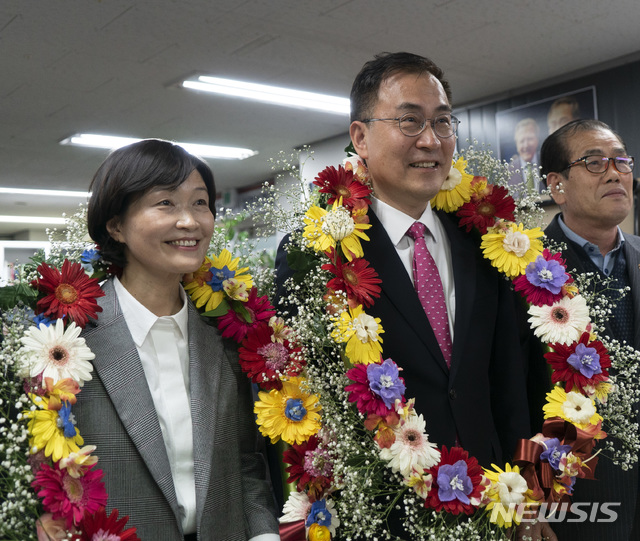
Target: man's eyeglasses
pixel 599 164
pixel 413 124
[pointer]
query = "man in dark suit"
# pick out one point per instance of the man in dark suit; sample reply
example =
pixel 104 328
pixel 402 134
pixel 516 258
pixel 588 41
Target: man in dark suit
pixel 402 127
pixel 590 177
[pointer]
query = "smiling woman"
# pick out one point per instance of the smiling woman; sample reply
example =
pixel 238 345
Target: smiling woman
pixel 152 214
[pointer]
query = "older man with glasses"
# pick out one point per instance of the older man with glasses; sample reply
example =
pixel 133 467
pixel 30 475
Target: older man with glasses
pixel 590 175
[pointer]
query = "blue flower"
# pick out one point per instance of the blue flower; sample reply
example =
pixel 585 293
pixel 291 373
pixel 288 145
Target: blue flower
pixel 294 409
pixel 319 514
pixel 42 319
pixel 554 452
pixel 218 276
pixel 454 483
pixel 67 420
pixel 385 382
pixel 549 275
pixel 90 256
pixel 585 360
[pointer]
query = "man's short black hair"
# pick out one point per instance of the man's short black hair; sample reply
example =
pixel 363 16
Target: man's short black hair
pixel 554 154
pixel 364 92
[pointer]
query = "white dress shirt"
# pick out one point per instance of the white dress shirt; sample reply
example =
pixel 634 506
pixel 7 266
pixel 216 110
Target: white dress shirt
pixel 162 344
pixel 396 223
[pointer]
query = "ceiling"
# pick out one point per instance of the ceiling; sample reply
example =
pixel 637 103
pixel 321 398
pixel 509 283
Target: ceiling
pixel 113 66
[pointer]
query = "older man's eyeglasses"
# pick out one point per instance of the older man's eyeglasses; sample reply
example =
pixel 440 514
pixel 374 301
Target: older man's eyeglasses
pixel 599 164
pixel 413 124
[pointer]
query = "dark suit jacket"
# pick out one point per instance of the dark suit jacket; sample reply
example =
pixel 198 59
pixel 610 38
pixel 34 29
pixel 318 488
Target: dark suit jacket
pixel 482 400
pixel 613 485
pixel 115 411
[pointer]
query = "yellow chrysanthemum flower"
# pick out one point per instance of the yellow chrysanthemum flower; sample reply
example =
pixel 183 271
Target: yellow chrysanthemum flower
pixel 45 434
pixel 362 333
pixel 510 247
pixel 508 491
pixel 573 407
pixel 325 229
pixel 290 413
pixel 207 285
pixel 456 190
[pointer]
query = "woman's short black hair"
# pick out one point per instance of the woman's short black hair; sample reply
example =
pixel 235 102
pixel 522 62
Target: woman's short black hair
pixel 127 174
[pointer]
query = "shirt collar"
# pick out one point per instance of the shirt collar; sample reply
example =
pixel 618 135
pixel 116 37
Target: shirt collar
pixel 397 223
pixel 140 319
pixel 584 243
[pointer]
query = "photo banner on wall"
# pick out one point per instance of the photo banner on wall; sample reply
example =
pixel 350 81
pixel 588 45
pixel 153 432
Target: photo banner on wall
pixel 521 130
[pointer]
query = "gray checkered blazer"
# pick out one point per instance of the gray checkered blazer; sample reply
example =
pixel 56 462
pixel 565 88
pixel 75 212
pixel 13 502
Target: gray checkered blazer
pixel 115 412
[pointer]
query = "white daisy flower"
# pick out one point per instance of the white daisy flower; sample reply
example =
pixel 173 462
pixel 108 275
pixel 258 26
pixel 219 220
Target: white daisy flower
pixel 56 353
pixel 563 322
pixel 296 507
pixel 578 408
pixel 412 449
pixel 511 488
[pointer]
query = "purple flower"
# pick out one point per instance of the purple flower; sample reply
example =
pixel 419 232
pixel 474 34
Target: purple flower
pixel 585 360
pixel 454 483
pixel 385 382
pixel 549 275
pixel 319 514
pixel 554 452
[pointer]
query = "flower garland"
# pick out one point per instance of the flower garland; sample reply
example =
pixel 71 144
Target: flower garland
pixel 370 452
pixel 357 447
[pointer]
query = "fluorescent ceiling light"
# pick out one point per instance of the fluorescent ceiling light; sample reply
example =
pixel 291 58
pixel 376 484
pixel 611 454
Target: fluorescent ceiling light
pixel 112 142
pixel 270 94
pixel 31 220
pixel 51 193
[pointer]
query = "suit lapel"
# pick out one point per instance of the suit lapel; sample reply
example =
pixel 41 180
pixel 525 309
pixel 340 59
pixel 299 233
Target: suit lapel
pixel 463 260
pixel 205 354
pixel 397 287
pixel 120 370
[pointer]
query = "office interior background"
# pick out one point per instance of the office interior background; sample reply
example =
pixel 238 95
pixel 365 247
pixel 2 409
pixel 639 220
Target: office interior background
pixel 116 67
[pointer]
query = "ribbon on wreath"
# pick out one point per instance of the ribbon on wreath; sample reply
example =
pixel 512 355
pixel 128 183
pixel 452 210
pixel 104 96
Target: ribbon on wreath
pixel 540 476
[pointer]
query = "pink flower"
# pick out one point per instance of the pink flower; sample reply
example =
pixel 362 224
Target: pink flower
pixel 236 324
pixel 68 498
pixel 366 380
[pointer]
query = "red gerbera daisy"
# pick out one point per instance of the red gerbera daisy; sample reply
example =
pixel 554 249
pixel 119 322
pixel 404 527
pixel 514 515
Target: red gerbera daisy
pixel 457 478
pixel 68 498
pixel 340 183
pixel 265 360
pixel 68 293
pixel 100 526
pixel 481 212
pixel 310 466
pixel 356 278
pixel 236 324
pixel 579 364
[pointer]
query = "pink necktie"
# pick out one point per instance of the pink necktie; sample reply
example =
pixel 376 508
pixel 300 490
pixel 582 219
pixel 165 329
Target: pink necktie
pixel 429 288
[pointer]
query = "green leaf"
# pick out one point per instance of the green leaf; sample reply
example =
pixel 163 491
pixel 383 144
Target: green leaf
pixel 221 310
pixel 302 263
pixel 12 295
pixel 243 312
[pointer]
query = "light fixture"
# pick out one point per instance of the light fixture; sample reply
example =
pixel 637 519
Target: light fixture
pixel 112 142
pixel 270 94
pixel 50 193
pixel 31 220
